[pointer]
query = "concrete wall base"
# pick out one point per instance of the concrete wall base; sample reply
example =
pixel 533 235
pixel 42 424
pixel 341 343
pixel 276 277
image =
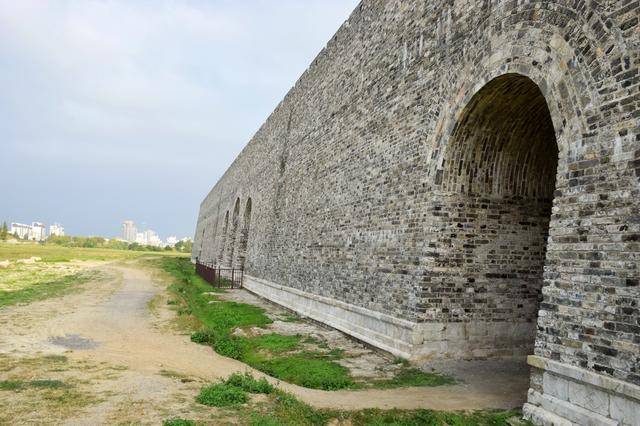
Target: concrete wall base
pixel 563 394
pixel 407 339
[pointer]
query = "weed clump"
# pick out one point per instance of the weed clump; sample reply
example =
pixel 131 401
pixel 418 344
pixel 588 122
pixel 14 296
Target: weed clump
pixel 203 337
pixel 221 395
pixel 248 383
pixel 233 391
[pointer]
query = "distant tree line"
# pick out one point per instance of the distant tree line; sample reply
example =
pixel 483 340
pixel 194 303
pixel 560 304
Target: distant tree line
pixel 99 242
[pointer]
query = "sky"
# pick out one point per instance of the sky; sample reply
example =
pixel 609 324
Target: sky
pixel 132 109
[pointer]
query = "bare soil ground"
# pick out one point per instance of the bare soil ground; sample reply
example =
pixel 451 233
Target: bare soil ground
pixel 120 359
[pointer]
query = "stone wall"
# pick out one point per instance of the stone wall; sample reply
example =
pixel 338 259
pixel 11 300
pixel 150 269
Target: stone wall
pixel 444 175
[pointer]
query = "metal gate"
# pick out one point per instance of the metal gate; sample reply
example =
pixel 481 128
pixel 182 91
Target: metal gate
pixel 220 277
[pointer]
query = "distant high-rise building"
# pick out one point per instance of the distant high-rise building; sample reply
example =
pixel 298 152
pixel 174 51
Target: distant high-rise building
pixel 22 230
pixel 57 230
pixel 129 231
pixel 140 238
pixel 38 231
pixel 171 241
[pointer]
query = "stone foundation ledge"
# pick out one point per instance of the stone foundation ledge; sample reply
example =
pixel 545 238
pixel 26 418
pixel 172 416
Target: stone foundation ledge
pixel 564 394
pixel 391 334
pixel 407 339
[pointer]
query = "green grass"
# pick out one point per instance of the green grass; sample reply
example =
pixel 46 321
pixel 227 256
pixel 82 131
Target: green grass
pixel 274 343
pixel 282 408
pixel 11 385
pixel 233 391
pixel 18 385
pixel 221 395
pixel 278 355
pixel 408 376
pixel 304 371
pixel 39 290
pixel 248 383
pixel 266 352
pixel 178 422
pixel 431 418
pixel 55 253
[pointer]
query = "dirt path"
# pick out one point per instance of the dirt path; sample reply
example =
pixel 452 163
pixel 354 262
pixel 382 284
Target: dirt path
pixel 113 325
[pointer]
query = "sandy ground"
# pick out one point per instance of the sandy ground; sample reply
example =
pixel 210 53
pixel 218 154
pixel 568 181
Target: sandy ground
pixel 158 371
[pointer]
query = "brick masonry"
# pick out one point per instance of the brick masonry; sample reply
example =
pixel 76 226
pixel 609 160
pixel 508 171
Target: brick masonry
pixel 457 179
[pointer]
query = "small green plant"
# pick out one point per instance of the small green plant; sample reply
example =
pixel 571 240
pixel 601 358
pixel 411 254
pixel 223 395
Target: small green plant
pixel 248 383
pixel 221 395
pixel 203 337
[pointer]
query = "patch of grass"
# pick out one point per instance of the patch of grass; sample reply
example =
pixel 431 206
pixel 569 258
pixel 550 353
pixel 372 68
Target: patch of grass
pixel 248 383
pixel 18 385
pixel 178 422
pixel 43 289
pixel 282 408
pixel 301 370
pixel 285 409
pixel 263 352
pixel 408 376
pixel 56 253
pixel 47 384
pixel 431 418
pixel 221 395
pixel 277 355
pixel 11 385
pixel 274 343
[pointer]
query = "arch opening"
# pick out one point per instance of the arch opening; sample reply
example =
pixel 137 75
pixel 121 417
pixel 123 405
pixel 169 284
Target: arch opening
pixel 233 234
pixel 499 179
pixel 244 236
pixel 223 241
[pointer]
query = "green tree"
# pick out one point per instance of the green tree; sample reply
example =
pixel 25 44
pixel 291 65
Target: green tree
pixel 184 246
pixel 4 231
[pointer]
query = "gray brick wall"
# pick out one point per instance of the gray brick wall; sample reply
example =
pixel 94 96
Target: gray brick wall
pixel 389 179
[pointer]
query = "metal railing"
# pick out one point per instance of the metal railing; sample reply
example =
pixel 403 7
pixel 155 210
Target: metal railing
pixel 220 277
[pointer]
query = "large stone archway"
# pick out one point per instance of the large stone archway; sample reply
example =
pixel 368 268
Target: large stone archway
pixel 497 184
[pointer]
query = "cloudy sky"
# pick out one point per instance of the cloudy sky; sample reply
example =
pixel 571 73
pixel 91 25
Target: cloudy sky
pixel 114 110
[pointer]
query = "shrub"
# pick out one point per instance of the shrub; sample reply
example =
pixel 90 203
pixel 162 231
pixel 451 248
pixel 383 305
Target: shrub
pixel 221 395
